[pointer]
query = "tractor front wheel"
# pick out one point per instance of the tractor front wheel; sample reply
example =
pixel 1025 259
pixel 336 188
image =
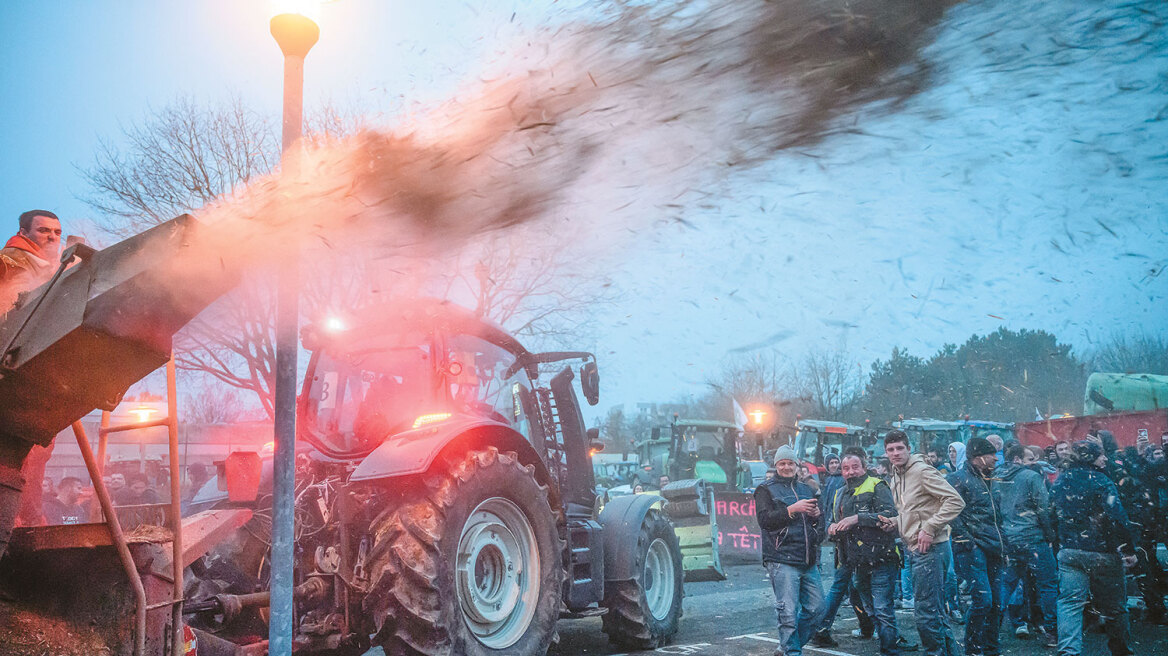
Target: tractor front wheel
pixel 468 563
pixel 644 613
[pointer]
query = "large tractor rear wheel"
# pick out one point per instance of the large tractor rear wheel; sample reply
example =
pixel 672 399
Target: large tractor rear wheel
pixel 468 563
pixel 644 613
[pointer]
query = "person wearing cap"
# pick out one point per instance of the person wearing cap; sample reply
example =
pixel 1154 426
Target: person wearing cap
pixel 978 544
pixel 925 505
pixel 1096 544
pixel 792 528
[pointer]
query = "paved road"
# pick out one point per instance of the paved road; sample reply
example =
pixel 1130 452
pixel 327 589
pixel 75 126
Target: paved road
pixel 736 616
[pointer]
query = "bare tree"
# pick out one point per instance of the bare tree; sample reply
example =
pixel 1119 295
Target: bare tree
pixel 184 156
pixel 210 406
pixel 831 380
pixel 518 280
pixel 1143 353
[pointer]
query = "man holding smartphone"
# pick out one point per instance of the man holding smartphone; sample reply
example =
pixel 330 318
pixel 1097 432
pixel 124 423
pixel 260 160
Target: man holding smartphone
pixel 792 528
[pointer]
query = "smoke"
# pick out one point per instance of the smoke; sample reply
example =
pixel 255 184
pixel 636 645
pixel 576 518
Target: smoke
pixel 607 122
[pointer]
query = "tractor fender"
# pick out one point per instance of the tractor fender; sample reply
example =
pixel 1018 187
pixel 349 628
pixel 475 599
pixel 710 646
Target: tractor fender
pixel 622 518
pixel 414 451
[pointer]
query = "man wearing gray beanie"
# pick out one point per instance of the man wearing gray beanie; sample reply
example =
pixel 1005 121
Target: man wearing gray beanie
pixel 792 528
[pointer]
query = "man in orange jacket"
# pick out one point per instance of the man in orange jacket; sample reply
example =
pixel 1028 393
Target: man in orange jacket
pixel 27 261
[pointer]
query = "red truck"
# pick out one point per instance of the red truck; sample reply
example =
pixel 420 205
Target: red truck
pixel 1131 406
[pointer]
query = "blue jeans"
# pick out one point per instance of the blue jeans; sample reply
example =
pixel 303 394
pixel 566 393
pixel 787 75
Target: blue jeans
pixel 877 586
pixel 906 580
pixel 841 588
pixel 1039 561
pixel 929 570
pixel 798 602
pixel 985 609
pixel 1099 577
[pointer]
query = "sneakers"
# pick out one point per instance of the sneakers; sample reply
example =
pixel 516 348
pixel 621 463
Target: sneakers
pixel 1047 639
pixel 857 633
pixel 904 645
pixel 823 639
pixel 1022 631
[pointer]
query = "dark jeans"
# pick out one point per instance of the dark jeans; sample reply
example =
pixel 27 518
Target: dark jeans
pixel 1038 561
pixel 929 571
pixel 985 608
pixel 1099 577
pixel 1148 578
pixel 841 587
pixel 877 585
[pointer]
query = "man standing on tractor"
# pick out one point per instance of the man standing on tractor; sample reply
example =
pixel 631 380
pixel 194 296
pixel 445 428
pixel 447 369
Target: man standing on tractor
pixel 27 261
pixel 792 528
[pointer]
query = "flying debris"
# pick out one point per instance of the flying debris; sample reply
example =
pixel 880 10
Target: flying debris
pixel 769 341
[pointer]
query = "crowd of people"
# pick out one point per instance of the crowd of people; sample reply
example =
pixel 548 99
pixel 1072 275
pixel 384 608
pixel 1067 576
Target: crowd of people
pixel 71 501
pixel 980 534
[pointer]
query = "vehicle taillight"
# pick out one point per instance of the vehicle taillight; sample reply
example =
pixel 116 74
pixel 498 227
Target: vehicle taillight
pixel 425 420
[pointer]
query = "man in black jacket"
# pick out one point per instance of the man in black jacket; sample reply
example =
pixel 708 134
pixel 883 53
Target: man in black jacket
pixel 977 538
pixel 868 547
pixel 792 528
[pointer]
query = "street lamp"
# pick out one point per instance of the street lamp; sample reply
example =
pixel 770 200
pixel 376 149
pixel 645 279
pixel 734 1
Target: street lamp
pixel 295 33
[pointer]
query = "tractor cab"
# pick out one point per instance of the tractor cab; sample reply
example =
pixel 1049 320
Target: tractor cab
pixel 815 440
pixel 704 449
pixel 924 433
pixel 368 380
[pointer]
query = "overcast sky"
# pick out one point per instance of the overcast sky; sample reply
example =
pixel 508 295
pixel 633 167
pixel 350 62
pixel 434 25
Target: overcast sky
pixel 1025 197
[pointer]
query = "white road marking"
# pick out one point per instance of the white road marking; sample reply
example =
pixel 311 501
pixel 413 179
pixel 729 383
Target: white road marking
pixel 682 649
pixel 762 637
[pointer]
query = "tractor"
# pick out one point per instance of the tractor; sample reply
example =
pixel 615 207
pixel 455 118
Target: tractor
pixel 446 501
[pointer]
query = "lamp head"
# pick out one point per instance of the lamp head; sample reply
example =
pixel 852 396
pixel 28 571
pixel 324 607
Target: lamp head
pixel 295 34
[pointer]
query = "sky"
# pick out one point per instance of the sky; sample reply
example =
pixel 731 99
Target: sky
pixel 1027 187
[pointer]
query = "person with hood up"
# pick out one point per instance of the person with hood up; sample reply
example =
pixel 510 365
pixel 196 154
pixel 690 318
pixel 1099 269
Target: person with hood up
pixel 1096 545
pixel 792 528
pixel 832 482
pixel 977 542
pixel 956 456
pixel 925 505
pixel 1027 525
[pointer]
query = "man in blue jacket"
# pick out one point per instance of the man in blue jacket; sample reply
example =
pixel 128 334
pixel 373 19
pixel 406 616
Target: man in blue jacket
pixel 977 540
pixel 792 528
pixel 1027 524
pixel 1095 546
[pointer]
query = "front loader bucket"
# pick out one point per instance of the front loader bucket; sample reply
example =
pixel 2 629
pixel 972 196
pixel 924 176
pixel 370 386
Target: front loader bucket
pixel 109 320
pixel 690 505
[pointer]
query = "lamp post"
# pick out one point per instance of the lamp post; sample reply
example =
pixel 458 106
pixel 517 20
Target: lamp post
pixel 295 34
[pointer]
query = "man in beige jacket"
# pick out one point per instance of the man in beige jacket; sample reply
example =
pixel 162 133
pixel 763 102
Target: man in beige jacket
pixel 925 504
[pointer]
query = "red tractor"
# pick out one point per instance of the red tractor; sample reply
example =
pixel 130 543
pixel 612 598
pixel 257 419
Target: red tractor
pixel 446 502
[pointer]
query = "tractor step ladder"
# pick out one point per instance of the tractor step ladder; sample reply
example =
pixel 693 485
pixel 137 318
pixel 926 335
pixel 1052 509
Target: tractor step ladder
pixel 96 467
